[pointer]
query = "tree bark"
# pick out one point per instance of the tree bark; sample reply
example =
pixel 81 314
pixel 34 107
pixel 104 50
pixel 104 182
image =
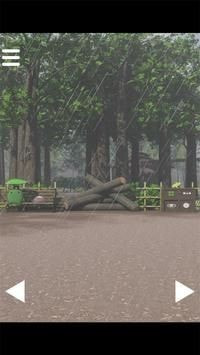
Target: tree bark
pixel 27 152
pixel 191 166
pixel 104 187
pixel 38 156
pixel 2 165
pixel 135 170
pixel 89 149
pixel 95 194
pixel 100 156
pixel 95 182
pixel 28 140
pixel 82 201
pixel 164 168
pixel 20 150
pixel 123 200
pixel 13 173
pixel 122 144
pixel 47 165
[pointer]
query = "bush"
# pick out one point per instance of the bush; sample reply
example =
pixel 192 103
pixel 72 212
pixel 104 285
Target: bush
pixel 176 185
pixel 197 205
pixel 151 191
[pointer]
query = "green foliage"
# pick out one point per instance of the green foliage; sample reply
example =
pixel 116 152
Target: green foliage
pixel 78 80
pixel 168 80
pixel 14 104
pixel 197 204
pixel 76 85
pixel 151 191
pixel 176 185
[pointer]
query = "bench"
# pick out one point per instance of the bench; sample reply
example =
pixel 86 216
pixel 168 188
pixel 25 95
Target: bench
pixel 49 196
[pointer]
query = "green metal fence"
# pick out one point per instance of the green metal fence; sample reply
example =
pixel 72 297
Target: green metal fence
pixel 146 197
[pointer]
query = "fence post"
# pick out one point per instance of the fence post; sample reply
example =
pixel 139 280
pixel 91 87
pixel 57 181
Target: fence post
pixel 192 184
pixel 54 184
pixel 38 185
pixel 161 196
pixel 145 195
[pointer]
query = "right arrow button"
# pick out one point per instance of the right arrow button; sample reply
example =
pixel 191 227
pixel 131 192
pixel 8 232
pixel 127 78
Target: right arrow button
pixel 182 291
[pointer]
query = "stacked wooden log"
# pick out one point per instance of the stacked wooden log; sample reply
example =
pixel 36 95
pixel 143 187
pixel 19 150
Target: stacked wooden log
pixel 102 196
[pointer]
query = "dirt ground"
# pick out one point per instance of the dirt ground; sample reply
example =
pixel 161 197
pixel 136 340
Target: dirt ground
pixel 114 266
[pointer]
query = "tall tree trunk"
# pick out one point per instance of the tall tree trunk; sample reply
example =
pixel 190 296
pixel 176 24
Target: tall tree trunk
pixel 122 143
pixel 2 165
pixel 13 153
pixel 27 151
pixel 100 154
pixel 20 150
pixel 134 158
pixel 89 149
pixel 38 162
pixel 191 166
pixel 35 146
pixel 47 165
pixel 27 133
pixel 164 168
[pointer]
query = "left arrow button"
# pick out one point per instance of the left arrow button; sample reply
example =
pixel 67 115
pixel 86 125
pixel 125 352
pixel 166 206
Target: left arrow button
pixel 18 291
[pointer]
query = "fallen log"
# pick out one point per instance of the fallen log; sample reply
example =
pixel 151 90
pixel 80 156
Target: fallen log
pixel 81 201
pixel 108 200
pixel 103 207
pixel 104 187
pixel 125 201
pixel 117 197
pixel 68 194
pixel 122 188
pixel 95 182
pixel 101 199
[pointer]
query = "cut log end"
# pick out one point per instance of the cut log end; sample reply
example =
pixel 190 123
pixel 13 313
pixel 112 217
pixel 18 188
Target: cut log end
pixel 122 180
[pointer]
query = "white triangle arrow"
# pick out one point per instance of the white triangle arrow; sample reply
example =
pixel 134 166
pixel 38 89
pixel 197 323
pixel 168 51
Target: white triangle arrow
pixel 182 291
pixel 18 291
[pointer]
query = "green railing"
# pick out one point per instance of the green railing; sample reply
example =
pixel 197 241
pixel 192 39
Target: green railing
pixel 146 197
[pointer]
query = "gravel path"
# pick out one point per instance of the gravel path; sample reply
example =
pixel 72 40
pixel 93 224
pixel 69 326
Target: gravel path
pixel 115 266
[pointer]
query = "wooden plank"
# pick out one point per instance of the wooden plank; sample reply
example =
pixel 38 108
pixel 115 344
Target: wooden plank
pixel 44 203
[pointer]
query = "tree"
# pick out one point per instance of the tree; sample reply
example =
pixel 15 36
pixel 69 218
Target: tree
pixel 159 109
